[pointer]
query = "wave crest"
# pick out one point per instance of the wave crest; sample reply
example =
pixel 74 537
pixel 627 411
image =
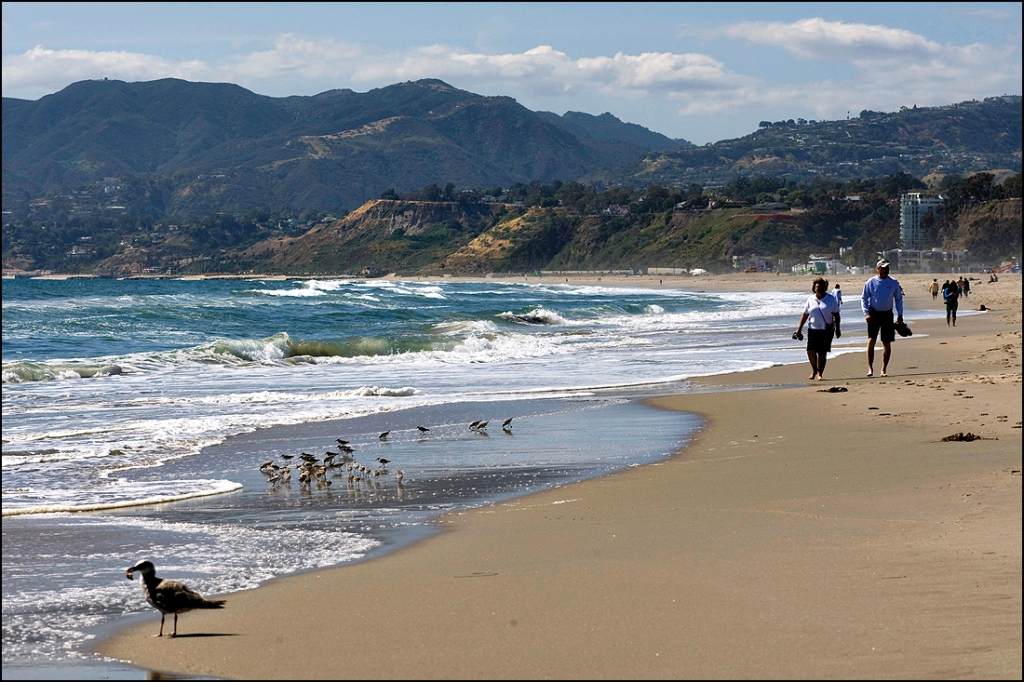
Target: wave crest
pixel 283 348
pixel 27 501
pixel 18 372
pixel 535 316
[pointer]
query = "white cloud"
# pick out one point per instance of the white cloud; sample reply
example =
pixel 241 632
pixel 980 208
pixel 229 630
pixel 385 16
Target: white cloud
pixel 545 71
pixel 891 66
pixel 295 56
pixel 894 67
pixel 40 71
pixel 834 40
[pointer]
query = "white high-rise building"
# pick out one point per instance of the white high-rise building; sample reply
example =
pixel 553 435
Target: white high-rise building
pixel 913 207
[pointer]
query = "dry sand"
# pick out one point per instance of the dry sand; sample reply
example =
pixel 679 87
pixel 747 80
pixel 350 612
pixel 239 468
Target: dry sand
pixel 801 534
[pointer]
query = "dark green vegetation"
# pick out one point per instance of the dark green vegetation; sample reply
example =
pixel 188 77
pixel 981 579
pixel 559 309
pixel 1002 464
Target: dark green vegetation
pixel 533 226
pixel 181 150
pixel 200 148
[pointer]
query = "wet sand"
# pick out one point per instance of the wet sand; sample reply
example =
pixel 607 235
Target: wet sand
pixel 800 534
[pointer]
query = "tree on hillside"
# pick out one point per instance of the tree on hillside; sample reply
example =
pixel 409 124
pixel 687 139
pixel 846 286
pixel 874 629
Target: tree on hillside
pixel 1011 186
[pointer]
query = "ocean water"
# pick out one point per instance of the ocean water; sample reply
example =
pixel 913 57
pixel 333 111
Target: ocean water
pixel 136 415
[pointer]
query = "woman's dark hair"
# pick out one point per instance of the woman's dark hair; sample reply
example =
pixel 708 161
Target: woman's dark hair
pixel 820 280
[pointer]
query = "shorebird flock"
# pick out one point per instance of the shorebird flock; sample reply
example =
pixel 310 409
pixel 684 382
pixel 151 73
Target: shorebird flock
pixel 320 472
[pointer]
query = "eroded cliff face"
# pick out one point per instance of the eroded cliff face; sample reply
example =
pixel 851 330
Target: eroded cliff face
pixel 989 231
pixel 412 217
pixel 448 237
pixel 398 236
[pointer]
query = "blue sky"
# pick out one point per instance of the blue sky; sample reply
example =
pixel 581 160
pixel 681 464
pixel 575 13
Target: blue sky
pixel 700 71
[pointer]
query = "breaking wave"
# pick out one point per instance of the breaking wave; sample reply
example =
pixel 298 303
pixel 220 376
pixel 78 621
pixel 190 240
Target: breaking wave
pixel 18 372
pixel 535 316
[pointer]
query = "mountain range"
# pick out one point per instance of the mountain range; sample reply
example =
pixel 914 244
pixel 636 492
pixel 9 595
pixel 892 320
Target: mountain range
pixel 173 148
pixel 955 139
pixel 220 147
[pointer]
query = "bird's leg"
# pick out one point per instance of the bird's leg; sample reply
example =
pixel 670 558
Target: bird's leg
pixel 175 633
pixel 161 625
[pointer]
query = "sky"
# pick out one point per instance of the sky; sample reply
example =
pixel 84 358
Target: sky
pixel 699 71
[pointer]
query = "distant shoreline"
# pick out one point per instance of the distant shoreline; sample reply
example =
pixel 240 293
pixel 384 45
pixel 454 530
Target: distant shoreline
pixel 915 283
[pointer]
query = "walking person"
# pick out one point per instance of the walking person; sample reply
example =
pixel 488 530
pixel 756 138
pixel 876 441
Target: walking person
pixel 838 295
pixel 951 295
pixel 967 287
pixel 934 288
pixel 821 313
pixel 881 295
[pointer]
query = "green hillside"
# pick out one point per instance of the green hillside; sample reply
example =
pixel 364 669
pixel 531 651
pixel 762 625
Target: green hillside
pixel 219 147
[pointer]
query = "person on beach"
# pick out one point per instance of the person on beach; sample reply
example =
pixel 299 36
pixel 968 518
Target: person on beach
pixel 821 313
pixel 881 295
pixel 967 287
pixel 838 295
pixel 951 295
pixel 934 288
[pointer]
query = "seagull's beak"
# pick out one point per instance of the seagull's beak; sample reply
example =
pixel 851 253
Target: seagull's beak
pixel 128 574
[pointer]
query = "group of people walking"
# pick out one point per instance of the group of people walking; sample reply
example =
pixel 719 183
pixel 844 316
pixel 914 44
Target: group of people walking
pixel 952 290
pixel 881 298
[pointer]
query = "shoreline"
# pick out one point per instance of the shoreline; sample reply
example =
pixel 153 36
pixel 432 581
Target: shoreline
pixel 777 565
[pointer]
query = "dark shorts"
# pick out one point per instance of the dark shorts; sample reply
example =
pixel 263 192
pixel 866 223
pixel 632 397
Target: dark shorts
pixel 952 304
pixel 881 321
pixel 820 340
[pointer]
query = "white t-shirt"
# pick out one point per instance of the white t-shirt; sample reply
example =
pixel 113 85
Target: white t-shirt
pixel 838 293
pixel 820 311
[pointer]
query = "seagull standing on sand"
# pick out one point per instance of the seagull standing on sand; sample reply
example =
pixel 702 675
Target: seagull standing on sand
pixel 169 596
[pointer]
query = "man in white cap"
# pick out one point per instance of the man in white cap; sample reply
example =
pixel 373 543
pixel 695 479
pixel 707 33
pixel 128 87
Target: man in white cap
pixel 881 294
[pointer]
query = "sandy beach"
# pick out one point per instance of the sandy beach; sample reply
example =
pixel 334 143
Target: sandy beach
pixel 800 534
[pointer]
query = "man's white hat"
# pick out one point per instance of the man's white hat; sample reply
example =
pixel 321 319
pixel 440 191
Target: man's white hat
pixel 882 264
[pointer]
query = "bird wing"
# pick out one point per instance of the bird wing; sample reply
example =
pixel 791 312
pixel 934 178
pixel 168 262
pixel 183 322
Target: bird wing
pixel 171 596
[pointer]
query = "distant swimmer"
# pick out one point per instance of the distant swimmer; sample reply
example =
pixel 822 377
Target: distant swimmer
pixel 169 596
pixel 384 436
